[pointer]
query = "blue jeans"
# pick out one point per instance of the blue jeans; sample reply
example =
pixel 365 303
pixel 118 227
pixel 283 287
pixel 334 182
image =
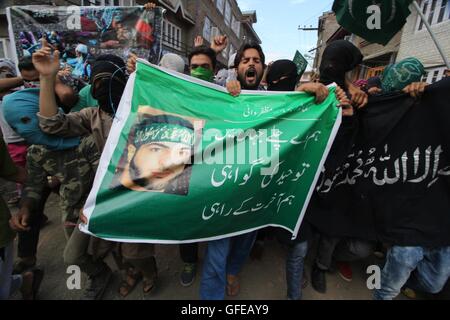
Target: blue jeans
pixel 223 257
pixel 9 283
pixel 295 262
pixel 426 269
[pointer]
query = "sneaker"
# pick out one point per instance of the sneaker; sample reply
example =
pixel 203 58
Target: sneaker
pixel 318 279
pixel 187 276
pixel 345 271
pixel 97 285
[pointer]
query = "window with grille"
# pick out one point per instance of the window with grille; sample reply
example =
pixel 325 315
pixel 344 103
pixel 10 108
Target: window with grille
pixel 227 13
pixel 171 35
pixel 207 29
pixel 435 11
pixel 219 5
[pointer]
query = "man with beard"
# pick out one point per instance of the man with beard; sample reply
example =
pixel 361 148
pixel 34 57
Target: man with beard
pixel 225 258
pixel 108 83
pixel 163 149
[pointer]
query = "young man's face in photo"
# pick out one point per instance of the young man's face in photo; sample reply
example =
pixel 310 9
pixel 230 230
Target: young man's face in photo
pixel 250 69
pixel 158 163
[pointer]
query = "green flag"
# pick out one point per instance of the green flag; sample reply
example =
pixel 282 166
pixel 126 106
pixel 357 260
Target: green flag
pixel 186 161
pixel 375 21
pixel 301 63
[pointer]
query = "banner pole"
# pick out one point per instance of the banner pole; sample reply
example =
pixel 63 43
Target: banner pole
pixel 433 36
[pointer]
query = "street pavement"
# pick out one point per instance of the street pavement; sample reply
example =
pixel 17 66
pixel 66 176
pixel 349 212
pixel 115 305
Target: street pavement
pixel 262 279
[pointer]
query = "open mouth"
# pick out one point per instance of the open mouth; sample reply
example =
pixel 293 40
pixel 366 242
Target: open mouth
pixel 250 75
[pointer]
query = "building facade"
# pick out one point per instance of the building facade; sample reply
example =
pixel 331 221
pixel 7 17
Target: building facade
pixel 327 27
pixel 183 21
pixel 376 57
pixel 417 42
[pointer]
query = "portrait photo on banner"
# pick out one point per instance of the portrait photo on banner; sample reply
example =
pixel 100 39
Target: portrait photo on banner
pixel 159 155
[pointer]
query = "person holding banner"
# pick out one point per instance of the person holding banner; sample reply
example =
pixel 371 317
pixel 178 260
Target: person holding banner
pixel 283 76
pixel 339 58
pixel 225 258
pixel 418 256
pixel 108 83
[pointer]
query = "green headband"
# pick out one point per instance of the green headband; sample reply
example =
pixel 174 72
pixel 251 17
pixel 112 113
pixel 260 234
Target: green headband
pixel 163 132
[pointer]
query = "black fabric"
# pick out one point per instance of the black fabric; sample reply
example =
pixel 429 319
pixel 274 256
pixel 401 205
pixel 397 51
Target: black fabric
pixel 28 241
pixel 285 237
pixel 279 69
pixel 2 254
pixel 108 82
pixel 338 58
pixel 394 185
pixel 189 252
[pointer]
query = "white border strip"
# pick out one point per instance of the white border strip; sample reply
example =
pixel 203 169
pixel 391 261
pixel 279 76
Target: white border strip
pixel 230 235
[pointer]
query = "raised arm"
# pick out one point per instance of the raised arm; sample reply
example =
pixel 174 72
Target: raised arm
pixel 47 64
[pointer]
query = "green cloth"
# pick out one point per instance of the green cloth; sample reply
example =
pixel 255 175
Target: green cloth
pixel 7 169
pixel 300 62
pixel 255 161
pixel 203 74
pixel 397 76
pixel 353 17
pixel 86 100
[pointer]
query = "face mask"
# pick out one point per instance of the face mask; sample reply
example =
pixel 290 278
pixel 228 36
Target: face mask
pixel 108 101
pixel 203 74
pixel 287 84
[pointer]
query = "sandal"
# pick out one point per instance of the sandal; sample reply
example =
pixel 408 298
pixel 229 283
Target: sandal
pixel 148 285
pixel 130 282
pixel 233 286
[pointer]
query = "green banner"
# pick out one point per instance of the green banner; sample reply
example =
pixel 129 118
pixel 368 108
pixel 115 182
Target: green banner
pixel 185 161
pixel 301 63
pixel 374 21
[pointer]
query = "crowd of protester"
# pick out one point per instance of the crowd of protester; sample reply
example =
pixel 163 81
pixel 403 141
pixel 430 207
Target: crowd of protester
pixel 54 131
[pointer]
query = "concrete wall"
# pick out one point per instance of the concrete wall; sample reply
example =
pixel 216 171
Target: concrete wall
pixel 328 26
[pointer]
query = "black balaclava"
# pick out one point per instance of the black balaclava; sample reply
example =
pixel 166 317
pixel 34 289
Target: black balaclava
pixel 280 69
pixel 109 70
pixel 339 57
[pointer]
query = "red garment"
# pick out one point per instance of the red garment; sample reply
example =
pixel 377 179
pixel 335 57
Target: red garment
pixel 18 153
